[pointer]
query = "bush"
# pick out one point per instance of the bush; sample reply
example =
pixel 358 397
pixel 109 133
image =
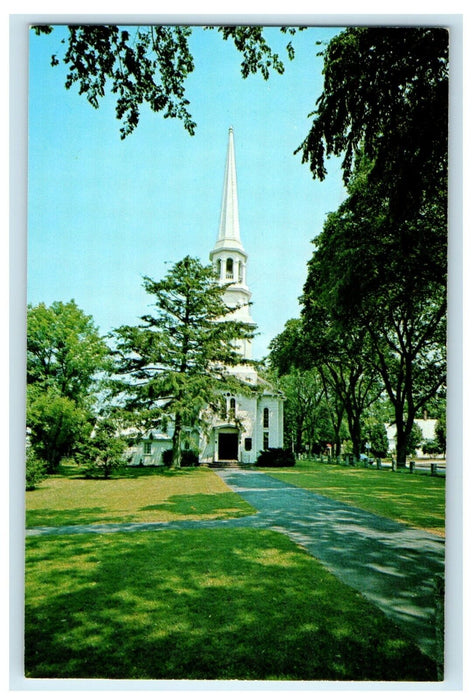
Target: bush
pixel 430 447
pixel 276 457
pixel 189 458
pixel 167 457
pixel 35 470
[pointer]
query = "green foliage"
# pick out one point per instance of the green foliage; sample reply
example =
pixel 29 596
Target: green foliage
pixel 101 453
pixel 276 457
pixel 64 350
pixel 379 290
pixel 56 425
pixel 386 93
pixel 65 354
pixel 35 470
pixel 440 432
pixel 415 439
pixel 376 435
pixel 430 447
pixel 189 458
pixel 149 65
pixel 174 365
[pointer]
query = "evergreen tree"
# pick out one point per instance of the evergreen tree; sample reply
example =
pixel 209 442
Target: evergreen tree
pixel 175 364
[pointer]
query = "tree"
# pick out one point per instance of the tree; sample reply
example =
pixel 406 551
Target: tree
pixel 360 278
pixel 385 94
pixel 65 353
pixel 303 392
pixel 175 364
pixel 440 433
pixel 102 452
pixel 56 425
pixel 35 469
pixel 315 345
pixel 150 64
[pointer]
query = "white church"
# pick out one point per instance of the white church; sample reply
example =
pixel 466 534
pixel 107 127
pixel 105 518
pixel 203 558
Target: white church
pixel 252 423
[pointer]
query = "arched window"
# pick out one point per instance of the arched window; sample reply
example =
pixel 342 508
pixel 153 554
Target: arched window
pixel 232 408
pixel 218 267
pixel 240 271
pixel 229 268
pixel 266 418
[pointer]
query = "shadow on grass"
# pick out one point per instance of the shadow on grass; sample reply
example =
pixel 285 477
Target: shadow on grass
pixel 45 517
pixel 408 497
pixel 217 504
pixel 233 604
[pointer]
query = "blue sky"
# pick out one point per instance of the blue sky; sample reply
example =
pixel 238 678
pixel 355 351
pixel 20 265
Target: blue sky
pixel 103 212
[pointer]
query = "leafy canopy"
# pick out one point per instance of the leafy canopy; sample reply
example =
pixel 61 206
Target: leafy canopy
pixel 150 64
pixel 385 95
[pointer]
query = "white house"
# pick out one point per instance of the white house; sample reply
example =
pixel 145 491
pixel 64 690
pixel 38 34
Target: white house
pixel 249 424
pixel 426 425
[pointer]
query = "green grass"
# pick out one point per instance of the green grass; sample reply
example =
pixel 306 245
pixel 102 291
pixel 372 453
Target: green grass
pixel 225 604
pixel 136 495
pixel 415 499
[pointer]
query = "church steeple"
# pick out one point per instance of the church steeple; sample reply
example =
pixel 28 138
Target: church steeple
pixel 229 218
pixel 228 255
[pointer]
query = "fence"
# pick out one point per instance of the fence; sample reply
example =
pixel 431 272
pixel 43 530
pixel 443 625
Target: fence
pixel 433 468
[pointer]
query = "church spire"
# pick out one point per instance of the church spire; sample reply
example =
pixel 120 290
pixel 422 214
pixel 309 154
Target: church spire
pixel 228 233
pixel 228 256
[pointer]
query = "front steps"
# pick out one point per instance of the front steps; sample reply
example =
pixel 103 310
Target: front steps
pixel 227 464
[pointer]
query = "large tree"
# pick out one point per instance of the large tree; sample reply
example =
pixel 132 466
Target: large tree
pixel 337 356
pixel 65 356
pixel 384 107
pixel 149 65
pixel 385 94
pixel 175 363
pixel 362 282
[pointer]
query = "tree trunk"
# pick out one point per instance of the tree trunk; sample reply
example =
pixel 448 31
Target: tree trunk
pixel 176 443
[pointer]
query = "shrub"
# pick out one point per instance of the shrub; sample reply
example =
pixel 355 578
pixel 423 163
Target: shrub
pixel 167 457
pixel 35 470
pixel 103 452
pixel 276 457
pixel 189 458
pixel 430 447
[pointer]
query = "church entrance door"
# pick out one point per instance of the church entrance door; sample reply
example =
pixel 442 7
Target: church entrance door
pixel 227 446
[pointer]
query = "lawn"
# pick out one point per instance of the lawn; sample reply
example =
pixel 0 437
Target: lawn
pixel 225 604
pixel 136 495
pixel 414 499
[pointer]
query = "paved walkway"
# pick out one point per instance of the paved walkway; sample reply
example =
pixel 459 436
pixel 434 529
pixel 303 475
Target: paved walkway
pixel 393 565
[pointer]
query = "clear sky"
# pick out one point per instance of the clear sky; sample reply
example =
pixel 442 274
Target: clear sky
pixel 103 212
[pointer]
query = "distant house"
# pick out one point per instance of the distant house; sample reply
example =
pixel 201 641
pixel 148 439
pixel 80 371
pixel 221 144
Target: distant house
pixel 426 425
pixel 248 424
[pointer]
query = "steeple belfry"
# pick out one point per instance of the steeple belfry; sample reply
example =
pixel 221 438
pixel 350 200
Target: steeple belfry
pixel 228 255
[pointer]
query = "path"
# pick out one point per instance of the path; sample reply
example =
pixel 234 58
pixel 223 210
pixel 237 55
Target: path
pixel 393 565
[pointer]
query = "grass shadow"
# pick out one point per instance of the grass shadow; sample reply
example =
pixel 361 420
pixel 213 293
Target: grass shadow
pixel 232 604
pixel 219 505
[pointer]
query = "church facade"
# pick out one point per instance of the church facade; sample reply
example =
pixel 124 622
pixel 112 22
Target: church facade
pixel 248 424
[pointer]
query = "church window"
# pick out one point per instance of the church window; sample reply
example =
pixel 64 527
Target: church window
pixel 218 267
pixel 240 271
pixel 265 440
pixel 266 418
pixel 147 448
pixel 232 408
pixel 229 268
pixel 248 444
